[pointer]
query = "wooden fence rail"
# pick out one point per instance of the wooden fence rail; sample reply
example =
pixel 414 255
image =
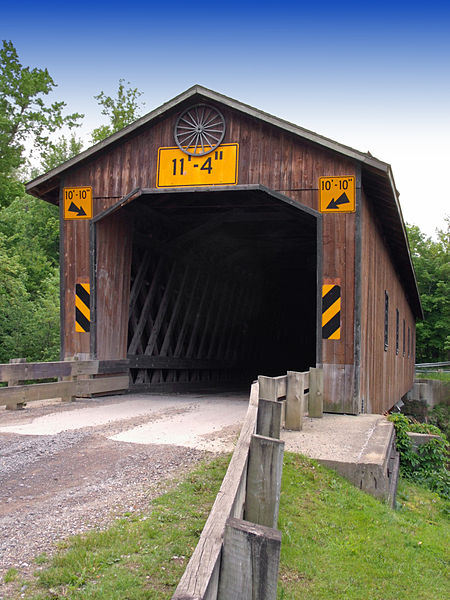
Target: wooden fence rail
pixel 237 556
pixel 74 376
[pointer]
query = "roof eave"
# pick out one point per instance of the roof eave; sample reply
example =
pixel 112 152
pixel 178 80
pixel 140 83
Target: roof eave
pixel 214 96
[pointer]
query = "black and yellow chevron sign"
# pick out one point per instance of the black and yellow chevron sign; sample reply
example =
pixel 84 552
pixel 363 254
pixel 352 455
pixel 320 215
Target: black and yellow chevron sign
pixel 331 311
pixel 82 307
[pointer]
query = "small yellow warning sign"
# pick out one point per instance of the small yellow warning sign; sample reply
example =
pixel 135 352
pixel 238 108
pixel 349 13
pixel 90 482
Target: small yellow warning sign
pixel 82 307
pixel 337 194
pixel 77 202
pixel 331 311
pixel 177 169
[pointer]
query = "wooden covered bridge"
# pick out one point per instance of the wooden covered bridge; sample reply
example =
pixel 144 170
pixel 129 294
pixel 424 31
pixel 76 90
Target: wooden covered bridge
pixel 209 242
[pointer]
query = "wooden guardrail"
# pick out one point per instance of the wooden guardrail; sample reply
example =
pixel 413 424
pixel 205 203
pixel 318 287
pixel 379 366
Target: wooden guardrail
pixel 237 556
pixel 74 380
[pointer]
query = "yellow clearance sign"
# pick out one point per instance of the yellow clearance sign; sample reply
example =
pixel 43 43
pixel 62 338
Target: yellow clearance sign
pixel 337 194
pixel 77 203
pixel 177 169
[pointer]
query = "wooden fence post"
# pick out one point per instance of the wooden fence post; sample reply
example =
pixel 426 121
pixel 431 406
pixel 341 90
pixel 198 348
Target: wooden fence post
pixel 270 413
pixel 268 423
pixel 250 561
pixel 265 465
pixel 12 381
pixel 295 400
pixel 315 408
pixel 68 397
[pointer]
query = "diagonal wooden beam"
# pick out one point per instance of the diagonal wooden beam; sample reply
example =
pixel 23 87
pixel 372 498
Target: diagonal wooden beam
pixel 162 309
pixel 139 279
pixel 198 319
pixel 175 311
pixel 132 348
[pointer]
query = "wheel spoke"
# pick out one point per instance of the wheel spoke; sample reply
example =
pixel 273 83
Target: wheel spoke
pixel 190 122
pixel 214 137
pixel 197 120
pixel 202 118
pixel 214 125
pixel 199 130
pixel 197 135
pixel 213 118
pixel 187 141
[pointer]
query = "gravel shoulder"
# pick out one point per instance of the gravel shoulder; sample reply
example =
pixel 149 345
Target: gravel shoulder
pixel 54 486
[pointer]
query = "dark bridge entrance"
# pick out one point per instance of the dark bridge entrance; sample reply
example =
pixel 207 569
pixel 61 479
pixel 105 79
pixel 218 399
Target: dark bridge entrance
pixel 223 285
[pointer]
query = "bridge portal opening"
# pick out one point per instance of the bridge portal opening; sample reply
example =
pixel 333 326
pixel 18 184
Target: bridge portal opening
pixel 223 287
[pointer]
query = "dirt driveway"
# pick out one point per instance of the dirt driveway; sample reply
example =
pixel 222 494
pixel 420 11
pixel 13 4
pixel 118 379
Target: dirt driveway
pixel 67 468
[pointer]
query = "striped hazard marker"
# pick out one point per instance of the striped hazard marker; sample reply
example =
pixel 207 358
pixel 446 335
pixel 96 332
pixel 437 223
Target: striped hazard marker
pixel 82 307
pixel 331 311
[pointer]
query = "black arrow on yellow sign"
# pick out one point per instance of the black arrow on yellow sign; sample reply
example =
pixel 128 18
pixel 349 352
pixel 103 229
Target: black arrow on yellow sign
pixel 343 199
pixel 74 208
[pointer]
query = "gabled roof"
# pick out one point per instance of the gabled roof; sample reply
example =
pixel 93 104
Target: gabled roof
pixel 377 177
pixel 199 92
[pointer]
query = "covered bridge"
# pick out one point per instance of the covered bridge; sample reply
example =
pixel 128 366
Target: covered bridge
pixel 210 242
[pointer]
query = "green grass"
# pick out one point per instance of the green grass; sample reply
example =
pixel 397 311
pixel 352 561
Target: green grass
pixel 338 542
pixel 341 543
pixel 11 575
pixel 437 375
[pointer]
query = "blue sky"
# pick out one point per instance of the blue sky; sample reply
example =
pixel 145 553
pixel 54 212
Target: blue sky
pixel 372 76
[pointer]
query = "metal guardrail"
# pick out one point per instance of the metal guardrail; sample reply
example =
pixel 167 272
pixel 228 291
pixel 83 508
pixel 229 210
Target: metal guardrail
pixel 437 365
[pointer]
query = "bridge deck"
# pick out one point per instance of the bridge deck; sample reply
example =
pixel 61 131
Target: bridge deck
pixel 359 447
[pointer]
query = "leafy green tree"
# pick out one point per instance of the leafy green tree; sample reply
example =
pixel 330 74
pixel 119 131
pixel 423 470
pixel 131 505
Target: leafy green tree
pixel 29 228
pixel 29 323
pixel 24 116
pixel 59 152
pixel 431 260
pixel 121 111
pixel 29 280
pixel 14 302
pixel 42 337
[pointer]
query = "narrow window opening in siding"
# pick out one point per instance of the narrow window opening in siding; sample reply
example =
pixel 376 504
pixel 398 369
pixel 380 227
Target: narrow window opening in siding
pixel 409 342
pixel 404 336
pixel 386 320
pixel 397 331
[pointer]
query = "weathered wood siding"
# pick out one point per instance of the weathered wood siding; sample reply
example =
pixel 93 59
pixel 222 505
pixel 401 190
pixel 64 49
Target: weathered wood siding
pixel 282 162
pixel 114 247
pixel 386 375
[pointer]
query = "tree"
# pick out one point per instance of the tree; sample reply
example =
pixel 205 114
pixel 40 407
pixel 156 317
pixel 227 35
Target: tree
pixel 59 152
pixel 432 265
pixel 29 322
pixel 29 228
pixel 121 111
pixel 24 116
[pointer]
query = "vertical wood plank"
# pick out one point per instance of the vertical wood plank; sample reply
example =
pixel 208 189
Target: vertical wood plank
pixel 269 418
pixel 265 465
pixel 250 562
pixel 11 381
pixel 272 388
pixel 315 404
pixel 295 400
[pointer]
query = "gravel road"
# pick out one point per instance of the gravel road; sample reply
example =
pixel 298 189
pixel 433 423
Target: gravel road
pixel 54 486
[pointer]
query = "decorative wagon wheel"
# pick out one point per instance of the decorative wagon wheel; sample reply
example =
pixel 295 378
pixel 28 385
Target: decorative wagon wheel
pixel 199 130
